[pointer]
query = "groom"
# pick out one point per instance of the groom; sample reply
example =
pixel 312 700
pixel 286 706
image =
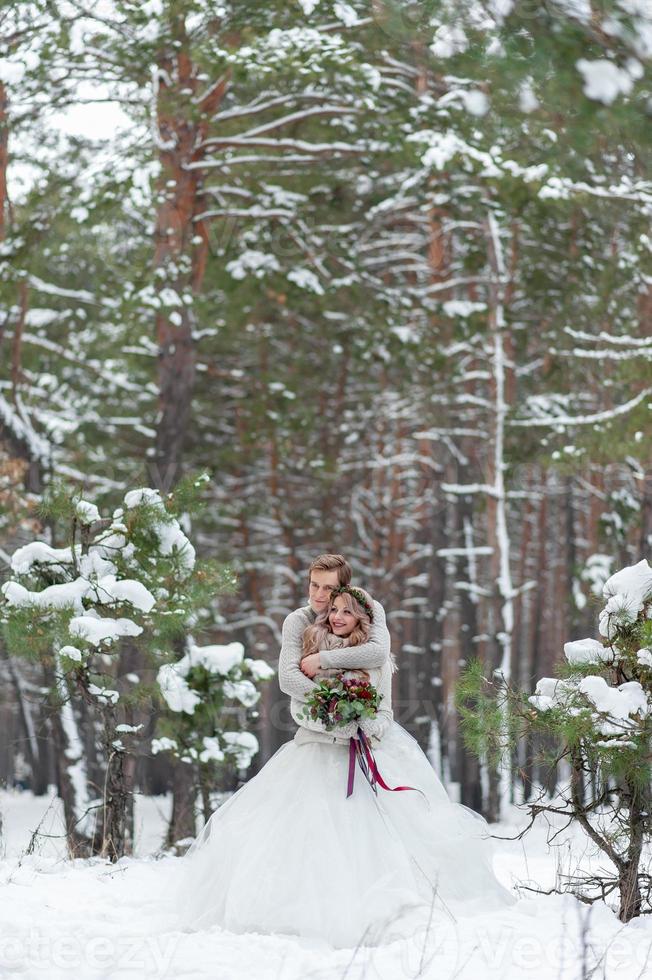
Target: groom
pixel 326 573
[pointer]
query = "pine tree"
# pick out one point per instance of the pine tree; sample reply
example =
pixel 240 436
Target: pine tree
pixel 597 712
pixel 119 591
pixel 211 693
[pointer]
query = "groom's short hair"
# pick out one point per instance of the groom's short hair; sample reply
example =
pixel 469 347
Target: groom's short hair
pixel 328 563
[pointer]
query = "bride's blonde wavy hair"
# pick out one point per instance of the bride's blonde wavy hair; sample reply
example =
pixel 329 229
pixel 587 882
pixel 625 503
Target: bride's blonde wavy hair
pixel 314 638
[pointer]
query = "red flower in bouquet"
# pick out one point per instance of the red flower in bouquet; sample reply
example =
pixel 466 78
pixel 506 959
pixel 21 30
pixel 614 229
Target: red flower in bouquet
pixel 336 702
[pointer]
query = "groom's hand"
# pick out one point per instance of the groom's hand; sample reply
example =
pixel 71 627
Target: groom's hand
pixel 310 665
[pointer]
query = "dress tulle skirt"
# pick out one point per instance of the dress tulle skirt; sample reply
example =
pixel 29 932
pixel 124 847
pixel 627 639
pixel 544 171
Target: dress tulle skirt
pixel 289 853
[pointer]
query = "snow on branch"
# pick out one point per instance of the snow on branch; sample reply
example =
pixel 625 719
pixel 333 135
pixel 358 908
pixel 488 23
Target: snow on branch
pixel 253 212
pixel 570 420
pixel 609 338
pixel 253 108
pixel 603 355
pixel 268 127
pixel 254 158
pixel 561 188
pixel 463 488
pixel 455 552
pixel 317 149
pixel 21 429
pixel 217 88
pixel 47 287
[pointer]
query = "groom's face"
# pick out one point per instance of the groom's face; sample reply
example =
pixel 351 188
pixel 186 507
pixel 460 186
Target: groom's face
pixel 322 583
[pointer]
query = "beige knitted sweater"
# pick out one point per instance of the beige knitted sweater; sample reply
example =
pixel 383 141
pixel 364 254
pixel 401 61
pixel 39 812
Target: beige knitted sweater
pixel 374 656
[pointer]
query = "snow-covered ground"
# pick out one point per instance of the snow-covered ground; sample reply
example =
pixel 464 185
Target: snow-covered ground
pixel 91 919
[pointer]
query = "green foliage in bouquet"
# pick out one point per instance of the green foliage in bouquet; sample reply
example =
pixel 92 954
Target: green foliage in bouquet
pixel 337 702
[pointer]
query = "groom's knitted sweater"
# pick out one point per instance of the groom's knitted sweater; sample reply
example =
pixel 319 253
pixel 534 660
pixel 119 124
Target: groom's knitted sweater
pixel 373 656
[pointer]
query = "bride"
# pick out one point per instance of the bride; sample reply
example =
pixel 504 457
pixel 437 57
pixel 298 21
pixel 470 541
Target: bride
pixel 290 852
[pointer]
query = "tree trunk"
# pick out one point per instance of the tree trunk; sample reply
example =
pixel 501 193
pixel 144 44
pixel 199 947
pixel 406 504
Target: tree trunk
pixel 629 880
pixel 501 629
pixel 531 770
pixel 180 242
pixel 630 891
pixel 115 840
pixel 113 837
pixel 182 819
pixel 469 766
pixel 35 748
pixel 180 251
pixel 70 779
pixel 4 159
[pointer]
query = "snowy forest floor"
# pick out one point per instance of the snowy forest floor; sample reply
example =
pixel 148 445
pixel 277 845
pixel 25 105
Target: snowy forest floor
pixel 62 918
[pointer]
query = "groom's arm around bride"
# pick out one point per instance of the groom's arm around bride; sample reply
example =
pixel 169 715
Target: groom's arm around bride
pixel 327 572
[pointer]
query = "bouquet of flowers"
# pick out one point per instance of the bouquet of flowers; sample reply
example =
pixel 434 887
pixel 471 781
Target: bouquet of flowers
pixel 337 701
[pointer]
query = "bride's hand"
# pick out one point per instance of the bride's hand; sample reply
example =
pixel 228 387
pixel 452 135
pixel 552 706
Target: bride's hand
pixel 310 664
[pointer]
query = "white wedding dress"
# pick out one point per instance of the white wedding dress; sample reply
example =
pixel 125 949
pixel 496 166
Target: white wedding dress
pixel 289 853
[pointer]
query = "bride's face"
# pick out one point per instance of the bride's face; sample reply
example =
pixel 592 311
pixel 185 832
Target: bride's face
pixel 341 620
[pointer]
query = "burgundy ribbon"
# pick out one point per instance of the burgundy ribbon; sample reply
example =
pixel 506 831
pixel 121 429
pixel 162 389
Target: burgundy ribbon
pixel 359 747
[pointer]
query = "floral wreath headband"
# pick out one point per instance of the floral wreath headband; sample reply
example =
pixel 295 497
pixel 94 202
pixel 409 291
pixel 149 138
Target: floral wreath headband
pixel 357 595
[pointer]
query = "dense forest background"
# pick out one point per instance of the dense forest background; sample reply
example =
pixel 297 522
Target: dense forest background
pixel 383 271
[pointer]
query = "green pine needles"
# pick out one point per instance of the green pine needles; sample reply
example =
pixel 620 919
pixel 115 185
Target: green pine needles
pixel 591 725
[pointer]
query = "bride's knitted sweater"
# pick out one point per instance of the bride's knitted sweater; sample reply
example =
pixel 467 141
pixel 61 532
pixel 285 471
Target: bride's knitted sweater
pixel 374 656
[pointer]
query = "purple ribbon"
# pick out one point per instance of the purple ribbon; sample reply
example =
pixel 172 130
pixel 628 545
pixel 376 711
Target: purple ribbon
pixel 360 749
